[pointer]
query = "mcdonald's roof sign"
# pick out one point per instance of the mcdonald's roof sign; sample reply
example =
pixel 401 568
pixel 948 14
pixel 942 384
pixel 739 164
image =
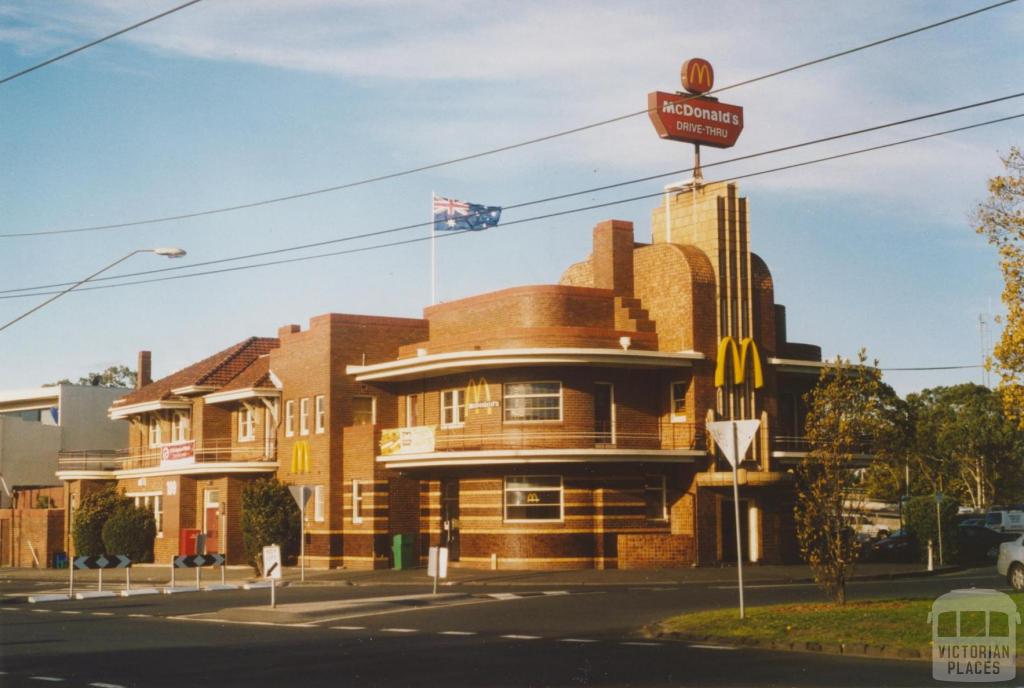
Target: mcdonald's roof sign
pixel 695 118
pixel 697 75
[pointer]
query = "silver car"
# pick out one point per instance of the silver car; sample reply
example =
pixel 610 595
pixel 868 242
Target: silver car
pixel 1011 562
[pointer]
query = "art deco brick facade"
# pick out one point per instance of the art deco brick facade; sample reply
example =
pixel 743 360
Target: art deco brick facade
pixel 552 426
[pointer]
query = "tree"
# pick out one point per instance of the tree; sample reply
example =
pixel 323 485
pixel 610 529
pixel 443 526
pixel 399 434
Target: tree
pixel 269 517
pixel 130 530
pixel 965 445
pixel 114 376
pixel 850 413
pixel 1001 219
pixel 90 517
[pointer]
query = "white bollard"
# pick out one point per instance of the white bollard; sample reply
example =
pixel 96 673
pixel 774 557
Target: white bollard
pixel 931 560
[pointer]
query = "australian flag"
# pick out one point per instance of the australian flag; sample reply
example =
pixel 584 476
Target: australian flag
pixel 451 215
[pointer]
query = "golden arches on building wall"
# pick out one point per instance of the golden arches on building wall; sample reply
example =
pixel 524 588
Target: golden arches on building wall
pixel 739 361
pixel 300 457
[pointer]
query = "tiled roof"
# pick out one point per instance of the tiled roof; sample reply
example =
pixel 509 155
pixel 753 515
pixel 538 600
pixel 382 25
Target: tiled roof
pixel 215 371
pixel 256 375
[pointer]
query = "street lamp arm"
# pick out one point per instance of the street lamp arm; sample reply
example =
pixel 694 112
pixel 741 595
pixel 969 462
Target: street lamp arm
pixel 171 253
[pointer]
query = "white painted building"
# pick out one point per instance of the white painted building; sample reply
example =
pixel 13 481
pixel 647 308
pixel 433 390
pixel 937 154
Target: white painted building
pixel 36 424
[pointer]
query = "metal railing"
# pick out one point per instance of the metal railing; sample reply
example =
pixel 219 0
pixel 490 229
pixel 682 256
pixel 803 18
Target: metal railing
pixel 213 451
pixel 802 444
pixel 666 436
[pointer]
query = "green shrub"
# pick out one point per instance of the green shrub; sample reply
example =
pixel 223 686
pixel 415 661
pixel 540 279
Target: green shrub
pixel 91 515
pixel 919 516
pixel 130 530
pixel 269 517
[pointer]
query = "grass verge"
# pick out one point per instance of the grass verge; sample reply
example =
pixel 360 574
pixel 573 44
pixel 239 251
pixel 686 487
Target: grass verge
pixel 884 627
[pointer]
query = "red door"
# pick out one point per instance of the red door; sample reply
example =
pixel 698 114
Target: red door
pixel 211 520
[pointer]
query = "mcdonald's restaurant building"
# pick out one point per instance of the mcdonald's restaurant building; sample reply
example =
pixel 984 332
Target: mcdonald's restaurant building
pixel 552 426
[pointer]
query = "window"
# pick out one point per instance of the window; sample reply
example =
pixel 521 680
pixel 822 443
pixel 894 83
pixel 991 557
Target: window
pixel 412 410
pixel 654 498
pixel 533 498
pixel 304 416
pixel 533 401
pixel 453 407
pixel 289 418
pixel 246 424
pixel 155 439
pixel 678 408
pixel 318 410
pixel 357 501
pixel 154 502
pixel 318 503
pixel 364 410
pixel 179 426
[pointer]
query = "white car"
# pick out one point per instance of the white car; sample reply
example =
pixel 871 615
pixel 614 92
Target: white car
pixel 1011 562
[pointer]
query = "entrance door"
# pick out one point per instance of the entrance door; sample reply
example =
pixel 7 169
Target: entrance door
pixel 211 520
pixel 727 519
pixel 450 517
pixel 604 413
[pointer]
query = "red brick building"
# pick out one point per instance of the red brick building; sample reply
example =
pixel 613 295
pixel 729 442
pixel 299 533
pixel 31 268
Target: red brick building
pixel 533 427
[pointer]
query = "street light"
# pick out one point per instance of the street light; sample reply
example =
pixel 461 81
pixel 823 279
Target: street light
pixel 168 252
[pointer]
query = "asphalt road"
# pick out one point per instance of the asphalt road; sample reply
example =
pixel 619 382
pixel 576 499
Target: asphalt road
pixel 482 637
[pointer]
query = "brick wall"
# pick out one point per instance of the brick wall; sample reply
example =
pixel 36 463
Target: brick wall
pixel 655 551
pixel 30 537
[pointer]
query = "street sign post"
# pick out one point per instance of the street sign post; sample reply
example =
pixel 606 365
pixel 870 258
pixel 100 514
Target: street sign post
pixel 733 437
pixel 272 569
pixel 437 564
pixel 301 495
pixel 938 522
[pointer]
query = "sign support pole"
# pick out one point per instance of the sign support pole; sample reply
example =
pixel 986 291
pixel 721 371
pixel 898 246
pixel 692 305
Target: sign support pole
pixel 736 506
pixel 302 543
pixel 938 524
pixel 99 587
pixel 71 581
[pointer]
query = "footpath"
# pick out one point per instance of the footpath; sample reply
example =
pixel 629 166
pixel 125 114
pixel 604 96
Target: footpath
pixel 17 580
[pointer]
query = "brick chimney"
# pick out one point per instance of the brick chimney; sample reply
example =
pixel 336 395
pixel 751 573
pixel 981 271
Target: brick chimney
pixel 613 256
pixel 144 371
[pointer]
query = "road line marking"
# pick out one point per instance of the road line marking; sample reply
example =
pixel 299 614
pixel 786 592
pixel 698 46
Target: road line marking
pixel 576 640
pixel 349 628
pixel 138 616
pixel 503 595
pixel 106 685
pixel 102 613
pixel 43 611
pixel 642 644
pixel 556 592
pixel 9 609
pixel 713 647
pixel 52 679
pixel 399 630
pixel 457 633
pixel 299 625
pixel 66 611
pixel 521 637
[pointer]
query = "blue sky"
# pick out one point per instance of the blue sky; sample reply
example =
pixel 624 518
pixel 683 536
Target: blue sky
pixel 229 102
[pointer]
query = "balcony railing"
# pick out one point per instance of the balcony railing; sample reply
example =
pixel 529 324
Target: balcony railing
pixel 659 436
pixel 173 454
pixel 800 444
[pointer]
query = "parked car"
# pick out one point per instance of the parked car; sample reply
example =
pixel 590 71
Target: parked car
pixel 973 521
pixel 980 544
pixel 866 529
pixel 1010 562
pixel 900 546
pixel 1005 521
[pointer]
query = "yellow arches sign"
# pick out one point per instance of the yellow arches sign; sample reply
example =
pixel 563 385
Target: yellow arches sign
pixel 739 361
pixel 478 397
pixel 300 457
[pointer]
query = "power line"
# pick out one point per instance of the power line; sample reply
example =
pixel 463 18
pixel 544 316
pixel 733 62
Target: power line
pixel 500 149
pixel 545 216
pixel 353 237
pixel 96 42
pixel 955 367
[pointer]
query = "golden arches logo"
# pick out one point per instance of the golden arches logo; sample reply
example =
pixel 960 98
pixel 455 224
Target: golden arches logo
pixel 739 361
pixel 697 75
pixel 478 397
pixel 300 457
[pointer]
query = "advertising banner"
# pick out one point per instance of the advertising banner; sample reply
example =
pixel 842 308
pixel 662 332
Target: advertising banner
pixel 178 453
pixel 413 440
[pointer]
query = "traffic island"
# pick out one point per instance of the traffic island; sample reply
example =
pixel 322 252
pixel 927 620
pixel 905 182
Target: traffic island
pixel 879 628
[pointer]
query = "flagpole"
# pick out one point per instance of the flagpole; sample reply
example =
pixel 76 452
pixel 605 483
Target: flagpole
pixel 433 253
